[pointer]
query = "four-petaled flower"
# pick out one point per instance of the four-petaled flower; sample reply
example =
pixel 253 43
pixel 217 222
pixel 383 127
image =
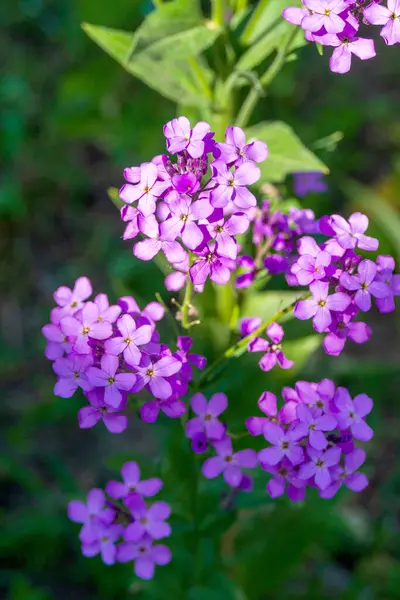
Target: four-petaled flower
pixel 112 382
pixel 229 463
pixel 320 306
pixel 207 413
pixel 129 340
pixel 273 350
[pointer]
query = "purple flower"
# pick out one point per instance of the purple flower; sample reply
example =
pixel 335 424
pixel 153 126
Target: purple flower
pixel 184 213
pixel 223 233
pixel 187 183
pixel 320 306
pixel 199 443
pixel 285 474
pixel 73 300
pixel 181 137
pixel 341 328
pixel 346 44
pixel 147 521
pixel 313 423
pixel 319 466
pixel 347 475
pixel 106 312
pixel 131 483
pixel 324 13
pixel 73 373
pixel 89 514
pixel 236 151
pixel 284 443
pixel 350 234
pixel 148 248
pixel 311 266
pixel 145 556
pixel 112 381
pixel 89 327
pixel 228 463
pixel 98 410
pixel 376 14
pixel 146 191
pixel 154 375
pixel 57 343
pixel 364 285
pixel 247 264
pixel 309 182
pixel 273 351
pixel 132 337
pixel 174 409
pixel 268 405
pixel 352 413
pixel 207 413
pixel 107 535
pixel 210 264
pixel 184 344
pixel 248 325
pixel 314 395
pixel 232 185
pixel 385 268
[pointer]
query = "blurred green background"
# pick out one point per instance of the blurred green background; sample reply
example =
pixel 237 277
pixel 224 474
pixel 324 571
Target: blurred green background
pixel 71 119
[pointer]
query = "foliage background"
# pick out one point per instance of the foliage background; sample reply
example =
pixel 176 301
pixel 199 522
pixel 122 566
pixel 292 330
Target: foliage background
pixel 71 119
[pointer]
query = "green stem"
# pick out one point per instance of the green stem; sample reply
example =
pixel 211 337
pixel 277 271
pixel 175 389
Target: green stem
pixel 199 75
pixel 218 12
pixel 186 304
pixel 256 92
pixel 240 346
pixel 252 24
pixel 241 5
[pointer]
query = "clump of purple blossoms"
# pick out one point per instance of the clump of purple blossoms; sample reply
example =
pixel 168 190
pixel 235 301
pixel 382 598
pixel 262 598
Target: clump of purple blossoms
pixel 125 532
pixel 335 23
pixel 312 439
pixel 112 351
pixel 196 200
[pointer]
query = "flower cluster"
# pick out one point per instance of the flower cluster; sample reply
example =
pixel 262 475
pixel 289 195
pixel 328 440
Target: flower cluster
pixel 336 23
pixel 274 235
pixel 110 351
pixel 120 526
pixel 341 283
pixel 202 199
pixel 312 439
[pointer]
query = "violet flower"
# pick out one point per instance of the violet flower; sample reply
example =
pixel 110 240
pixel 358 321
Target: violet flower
pixel 314 424
pixel 324 13
pixel 154 375
pixel 311 265
pixel 232 185
pixel 98 410
pixel 145 555
pixel 235 150
pixel 319 466
pixel 229 463
pixel 173 409
pixel 352 413
pixel 285 476
pixel 112 382
pixel 132 484
pixel 350 234
pixel 184 213
pixel 347 475
pixel 385 267
pixel 73 300
pixel 73 373
pixel 131 337
pixel 107 535
pixel 209 263
pixel 273 350
pixel 146 192
pixel 341 328
pixel 244 280
pixel 181 137
pixel 284 443
pixel 364 284
pixel 319 307
pixel 89 514
pixel 147 521
pixel 389 17
pixel 89 327
pixel 206 420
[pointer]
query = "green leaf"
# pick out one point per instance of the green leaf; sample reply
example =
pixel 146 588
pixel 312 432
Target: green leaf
pixel 266 17
pixel 267 304
pixel 172 79
pixel 287 154
pixel 381 212
pixel 257 53
pixel 183 44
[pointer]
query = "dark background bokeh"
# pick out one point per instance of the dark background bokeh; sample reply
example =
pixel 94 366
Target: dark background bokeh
pixel 71 119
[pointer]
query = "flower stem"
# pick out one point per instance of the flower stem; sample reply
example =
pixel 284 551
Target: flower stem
pixel 218 12
pixel 256 92
pixel 249 30
pixel 237 349
pixel 186 304
pixel 198 73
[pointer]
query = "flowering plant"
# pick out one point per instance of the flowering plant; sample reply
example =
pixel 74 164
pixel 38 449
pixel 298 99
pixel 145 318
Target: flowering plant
pixel 199 205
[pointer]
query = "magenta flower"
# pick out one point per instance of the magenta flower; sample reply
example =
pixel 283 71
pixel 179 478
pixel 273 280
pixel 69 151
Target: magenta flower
pixel 210 264
pixel 228 463
pixel 284 443
pixel 268 405
pixel 89 327
pixel 112 381
pixel 350 234
pixel 347 475
pixel 236 151
pixel 324 13
pixel 316 396
pixel 173 409
pixel 352 414
pixel 313 423
pixel 73 300
pixel 273 350
pixel 223 232
pixel 341 328
pixel 385 268
pixel 184 344
pixel 98 410
pixel 389 17
pixel 154 375
pixel 73 373
pixel 150 521
pixel 312 263
pixel 145 556
pixel 148 248
pixel 199 443
pixel 207 413
pixel 285 474
pixel 132 337
pixel 181 137
pixel 232 185
pixel 311 181
pixel 364 284
pixel 131 483
pixel 346 44
pixel 89 514
pixel 184 213
pixel 57 343
pixel 107 535
pixel 248 325
pixel 319 307
pixel 247 264
pixel 319 466
pixel 106 312
pixel 147 191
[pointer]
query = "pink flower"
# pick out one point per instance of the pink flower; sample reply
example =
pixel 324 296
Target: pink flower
pixel 132 337
pixel 112 381
pixel 389 17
